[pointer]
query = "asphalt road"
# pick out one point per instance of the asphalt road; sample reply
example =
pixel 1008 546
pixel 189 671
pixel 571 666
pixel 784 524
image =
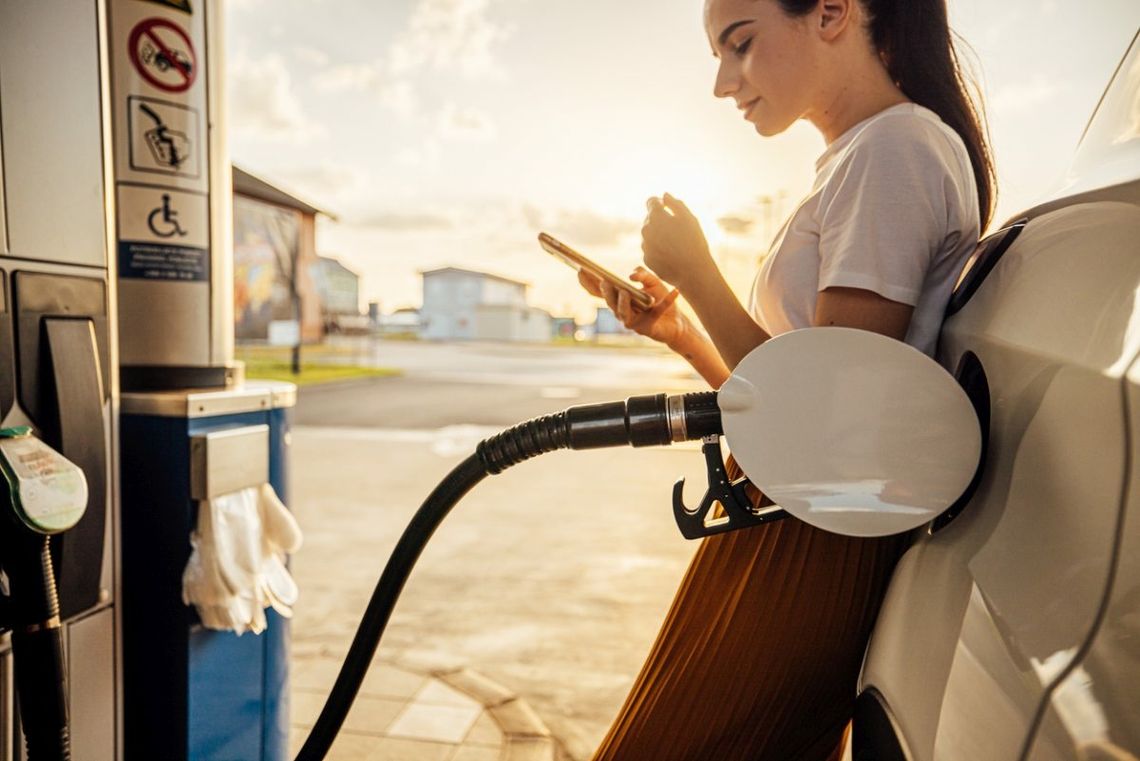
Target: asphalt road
pixel 551 578
pixel 489 384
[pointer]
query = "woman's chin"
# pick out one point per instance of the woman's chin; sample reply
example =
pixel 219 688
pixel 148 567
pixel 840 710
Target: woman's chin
pixel 768 130
pixel 769 127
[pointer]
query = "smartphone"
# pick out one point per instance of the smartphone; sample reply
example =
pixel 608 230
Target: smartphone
pixel 638 298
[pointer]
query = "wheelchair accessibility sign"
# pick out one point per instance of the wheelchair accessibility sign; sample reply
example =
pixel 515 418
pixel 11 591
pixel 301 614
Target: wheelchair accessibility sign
pixel 163 234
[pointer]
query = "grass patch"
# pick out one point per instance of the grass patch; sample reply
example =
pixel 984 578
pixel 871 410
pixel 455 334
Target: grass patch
pixel 275 363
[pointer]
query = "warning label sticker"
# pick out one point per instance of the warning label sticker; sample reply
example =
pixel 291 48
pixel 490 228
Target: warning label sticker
pixel 165 137
pixel 163 234
pixel 151 261
pixel 162 53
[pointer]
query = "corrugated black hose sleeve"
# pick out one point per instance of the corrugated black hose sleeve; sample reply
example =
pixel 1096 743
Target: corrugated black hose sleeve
pixel 639 421
pixel 37 649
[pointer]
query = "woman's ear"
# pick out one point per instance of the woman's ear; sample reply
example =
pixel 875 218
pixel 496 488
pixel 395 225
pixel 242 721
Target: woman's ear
pixel 834 16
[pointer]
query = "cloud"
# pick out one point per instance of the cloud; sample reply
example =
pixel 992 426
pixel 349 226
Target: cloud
pixel 449 34
pixel 442 35
pixel 322 181
pixel 263 104
pixel 426 154
pixel 465 124
pixel 403 221
pixel 348 76
pixel 311 56
pixel 581 227
pixel 400 98
pixel 396 94
pixel 735 225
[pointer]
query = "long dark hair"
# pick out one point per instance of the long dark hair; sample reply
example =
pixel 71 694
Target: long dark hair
pixel 914 38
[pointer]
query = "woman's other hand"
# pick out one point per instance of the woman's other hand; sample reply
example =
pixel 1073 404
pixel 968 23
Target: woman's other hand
pixel 662 321
pixel 674 245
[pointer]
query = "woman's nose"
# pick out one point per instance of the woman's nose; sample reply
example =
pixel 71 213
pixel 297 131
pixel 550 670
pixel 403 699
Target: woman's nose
pixel 726 80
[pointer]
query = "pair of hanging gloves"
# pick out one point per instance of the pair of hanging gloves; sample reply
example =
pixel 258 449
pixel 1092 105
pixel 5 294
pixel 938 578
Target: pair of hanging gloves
pixel 237 561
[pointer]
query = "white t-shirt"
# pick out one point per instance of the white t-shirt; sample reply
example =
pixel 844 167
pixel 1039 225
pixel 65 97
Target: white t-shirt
pixel 893 210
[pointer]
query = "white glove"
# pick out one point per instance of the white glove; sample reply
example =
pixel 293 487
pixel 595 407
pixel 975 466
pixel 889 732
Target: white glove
pixel 280 535
pixel 237 565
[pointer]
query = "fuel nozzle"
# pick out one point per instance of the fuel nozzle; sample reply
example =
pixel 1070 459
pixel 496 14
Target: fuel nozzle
pixel 640 421
pixel 644 421
pixel 45 494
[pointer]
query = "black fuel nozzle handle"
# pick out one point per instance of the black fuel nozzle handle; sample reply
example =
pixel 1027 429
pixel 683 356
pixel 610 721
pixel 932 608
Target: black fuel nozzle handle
pixel 731 496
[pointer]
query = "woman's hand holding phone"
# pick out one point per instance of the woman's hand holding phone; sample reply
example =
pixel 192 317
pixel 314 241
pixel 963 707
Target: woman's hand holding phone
pixel 674 244
pixel 662 321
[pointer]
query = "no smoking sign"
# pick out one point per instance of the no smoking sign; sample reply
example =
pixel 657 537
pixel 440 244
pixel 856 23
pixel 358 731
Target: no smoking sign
pixel 162 53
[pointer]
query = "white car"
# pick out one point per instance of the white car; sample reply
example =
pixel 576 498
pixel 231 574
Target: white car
pixel 1011 629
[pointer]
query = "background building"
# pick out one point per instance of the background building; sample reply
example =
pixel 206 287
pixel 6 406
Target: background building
pixel 463 304
pixel 606 323
pixel 275 260
pixel 338 291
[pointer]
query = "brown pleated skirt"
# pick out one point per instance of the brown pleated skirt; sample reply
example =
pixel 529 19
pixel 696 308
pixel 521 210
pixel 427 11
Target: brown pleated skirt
pixel 759 655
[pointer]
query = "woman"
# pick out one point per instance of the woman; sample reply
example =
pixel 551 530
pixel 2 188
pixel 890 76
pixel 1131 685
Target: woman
pixel 759 655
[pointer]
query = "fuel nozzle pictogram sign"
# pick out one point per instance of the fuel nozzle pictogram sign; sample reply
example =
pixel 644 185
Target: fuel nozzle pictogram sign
pixel 164 137
pixel 168 147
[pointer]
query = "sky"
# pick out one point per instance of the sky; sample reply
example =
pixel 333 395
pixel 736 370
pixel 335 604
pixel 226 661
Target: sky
pixel 450 132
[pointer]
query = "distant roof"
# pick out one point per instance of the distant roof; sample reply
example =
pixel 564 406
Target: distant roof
pixel 328 261
pixel 487 275
pixel 250 186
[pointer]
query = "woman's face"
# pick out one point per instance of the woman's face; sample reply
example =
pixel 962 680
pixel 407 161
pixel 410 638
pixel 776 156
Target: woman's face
pixel 767 60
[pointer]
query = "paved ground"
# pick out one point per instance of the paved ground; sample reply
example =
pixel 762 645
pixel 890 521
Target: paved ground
pixel 403 715
pixel 549 580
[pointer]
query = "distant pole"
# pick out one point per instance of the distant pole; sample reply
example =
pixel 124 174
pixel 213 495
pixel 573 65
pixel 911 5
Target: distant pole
pixel 295 295
pixel 297 315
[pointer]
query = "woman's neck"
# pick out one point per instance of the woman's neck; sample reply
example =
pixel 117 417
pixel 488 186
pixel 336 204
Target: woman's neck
pixel 858 96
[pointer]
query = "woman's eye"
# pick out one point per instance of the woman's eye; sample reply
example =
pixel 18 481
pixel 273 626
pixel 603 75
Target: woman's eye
pixel 742 48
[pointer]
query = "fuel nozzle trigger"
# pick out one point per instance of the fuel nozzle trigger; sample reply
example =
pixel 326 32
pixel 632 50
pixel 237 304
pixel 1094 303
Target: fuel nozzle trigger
pixel 736 510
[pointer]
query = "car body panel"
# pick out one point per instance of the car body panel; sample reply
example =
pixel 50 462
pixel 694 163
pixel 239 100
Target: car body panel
pixel 1093 712
pixel 982 616
pixel 1109 150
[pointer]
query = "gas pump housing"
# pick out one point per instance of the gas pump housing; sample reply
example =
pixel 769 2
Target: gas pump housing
pixel 58 353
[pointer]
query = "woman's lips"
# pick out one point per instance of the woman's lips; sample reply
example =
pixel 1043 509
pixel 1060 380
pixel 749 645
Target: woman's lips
pixel 747 107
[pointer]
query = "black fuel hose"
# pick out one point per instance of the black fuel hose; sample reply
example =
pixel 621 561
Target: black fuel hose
pixel 639 421
pixel 37 647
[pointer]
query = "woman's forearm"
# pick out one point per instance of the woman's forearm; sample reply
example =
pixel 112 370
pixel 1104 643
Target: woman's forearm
pixel 699 352
pixel 732 330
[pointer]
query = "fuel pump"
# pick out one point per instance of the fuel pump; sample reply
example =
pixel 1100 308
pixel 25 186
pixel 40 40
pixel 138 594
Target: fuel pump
pixel 58 387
